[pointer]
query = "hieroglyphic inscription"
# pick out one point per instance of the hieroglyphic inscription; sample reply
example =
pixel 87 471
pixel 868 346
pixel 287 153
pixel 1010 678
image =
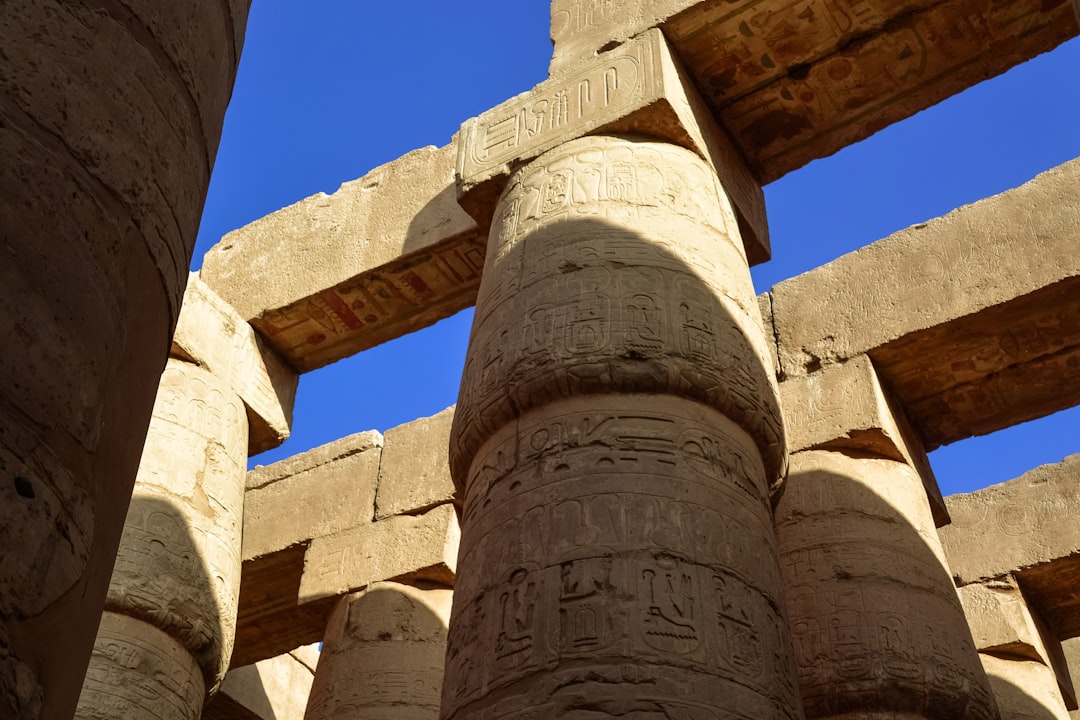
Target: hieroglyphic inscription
pixel 635 532
pixel 874 614
pixel 613 267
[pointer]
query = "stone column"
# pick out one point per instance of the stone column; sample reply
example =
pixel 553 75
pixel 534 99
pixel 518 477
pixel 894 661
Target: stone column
pixel 383 655
pixel 110 114
pixel 167 633
pixel 878 629
pixel 616 436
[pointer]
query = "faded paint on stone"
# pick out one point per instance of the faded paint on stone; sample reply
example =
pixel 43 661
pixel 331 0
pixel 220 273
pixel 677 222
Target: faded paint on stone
pixel 878 628
pixel 617 552
pixel 211 334
pixel 414 473
pixel 383 655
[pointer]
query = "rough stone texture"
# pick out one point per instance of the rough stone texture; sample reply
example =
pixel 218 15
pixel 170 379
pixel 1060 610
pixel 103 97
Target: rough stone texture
pixel 212 335
pixel 637 89
pixel 414 474
pixel 385 255
pixel 286 596
pixel 110 115
pixel 615 437
pixel 139 672
pixel 1016 527
pixel 878 628
pixel 967 348
pixel 1025 689
pixel 1071 649
pixel 178 564
pixel 319 492
pixel 1003 624
pixel 413 547
pixel 273 689
pixel 844 407
pixel 383 655
pixel 794 82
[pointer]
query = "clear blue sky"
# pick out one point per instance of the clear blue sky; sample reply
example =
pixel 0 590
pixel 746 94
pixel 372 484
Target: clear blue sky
pixel 328 90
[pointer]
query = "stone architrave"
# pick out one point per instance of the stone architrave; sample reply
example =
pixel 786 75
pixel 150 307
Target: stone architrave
pixel 383 655
pixel 211 334
pixel 273 689
pixel 966 348
pixel 1024 689
pixel 414 474
pixel 1016 528
pixel 178 567
pixel 387 254
pixel 637 89
pixel 878 628
pixel 616 437
pixel 110 115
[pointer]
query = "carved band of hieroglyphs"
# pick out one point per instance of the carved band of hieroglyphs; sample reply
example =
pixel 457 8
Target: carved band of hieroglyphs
pixel 874 614
pixel 559 110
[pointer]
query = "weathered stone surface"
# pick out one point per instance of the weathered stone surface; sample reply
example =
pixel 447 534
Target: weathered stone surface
pixel 637 89
pixel 878 628
pixel 965 347
pixel 414 474
pixel 139 672
pixel 212 334
pixel 1025 689
pixel 178 565
pixel 795 82
pixel 385 255
pixel 1071 649
pixel 1003 624
pixel 273 689
pixel 844 407
pixel 404 547
pixel 320 492
pixel 1016 527
pixel 616 437
pixel 110 115
pixel 383 655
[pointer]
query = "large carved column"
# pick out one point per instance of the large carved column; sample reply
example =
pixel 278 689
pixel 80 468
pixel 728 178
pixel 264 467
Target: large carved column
pixel 616 436
pixel 878 628
pixel 167 633
pixel 382 655
pixel 110 114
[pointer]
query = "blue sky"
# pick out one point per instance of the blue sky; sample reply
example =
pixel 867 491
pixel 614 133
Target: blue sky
pixel 328 90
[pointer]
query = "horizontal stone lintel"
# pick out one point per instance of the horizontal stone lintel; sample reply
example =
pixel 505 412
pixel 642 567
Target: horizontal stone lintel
pixel 635 89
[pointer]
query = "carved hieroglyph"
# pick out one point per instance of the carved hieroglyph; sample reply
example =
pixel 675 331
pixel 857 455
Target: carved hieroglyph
pixel 383 655
pixel 178 567
pixel 616 436
pixel 877 625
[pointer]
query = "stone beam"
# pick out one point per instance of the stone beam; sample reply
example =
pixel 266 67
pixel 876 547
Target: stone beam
pixel 636 89
pixel 844 407
pixel 794 82
pixel 211 334
pixel 1023 527
pixel 966 348
pixel 311 535
pixel 332 275
pixel 273 689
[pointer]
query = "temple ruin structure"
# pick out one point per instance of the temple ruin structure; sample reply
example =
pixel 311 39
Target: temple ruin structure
pixel 663 493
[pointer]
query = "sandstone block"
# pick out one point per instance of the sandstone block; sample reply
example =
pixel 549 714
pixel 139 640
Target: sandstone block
pixel 1016 527
pixel 383 655
pixel 317 493
pixel 965 347
pixel 212 334
pixel 844 406
pixel 636 89
pixel 273 689
pixel 1024 689
pixel 386 254
pixel 411 547
pixel 1071 649
pixel 414 474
